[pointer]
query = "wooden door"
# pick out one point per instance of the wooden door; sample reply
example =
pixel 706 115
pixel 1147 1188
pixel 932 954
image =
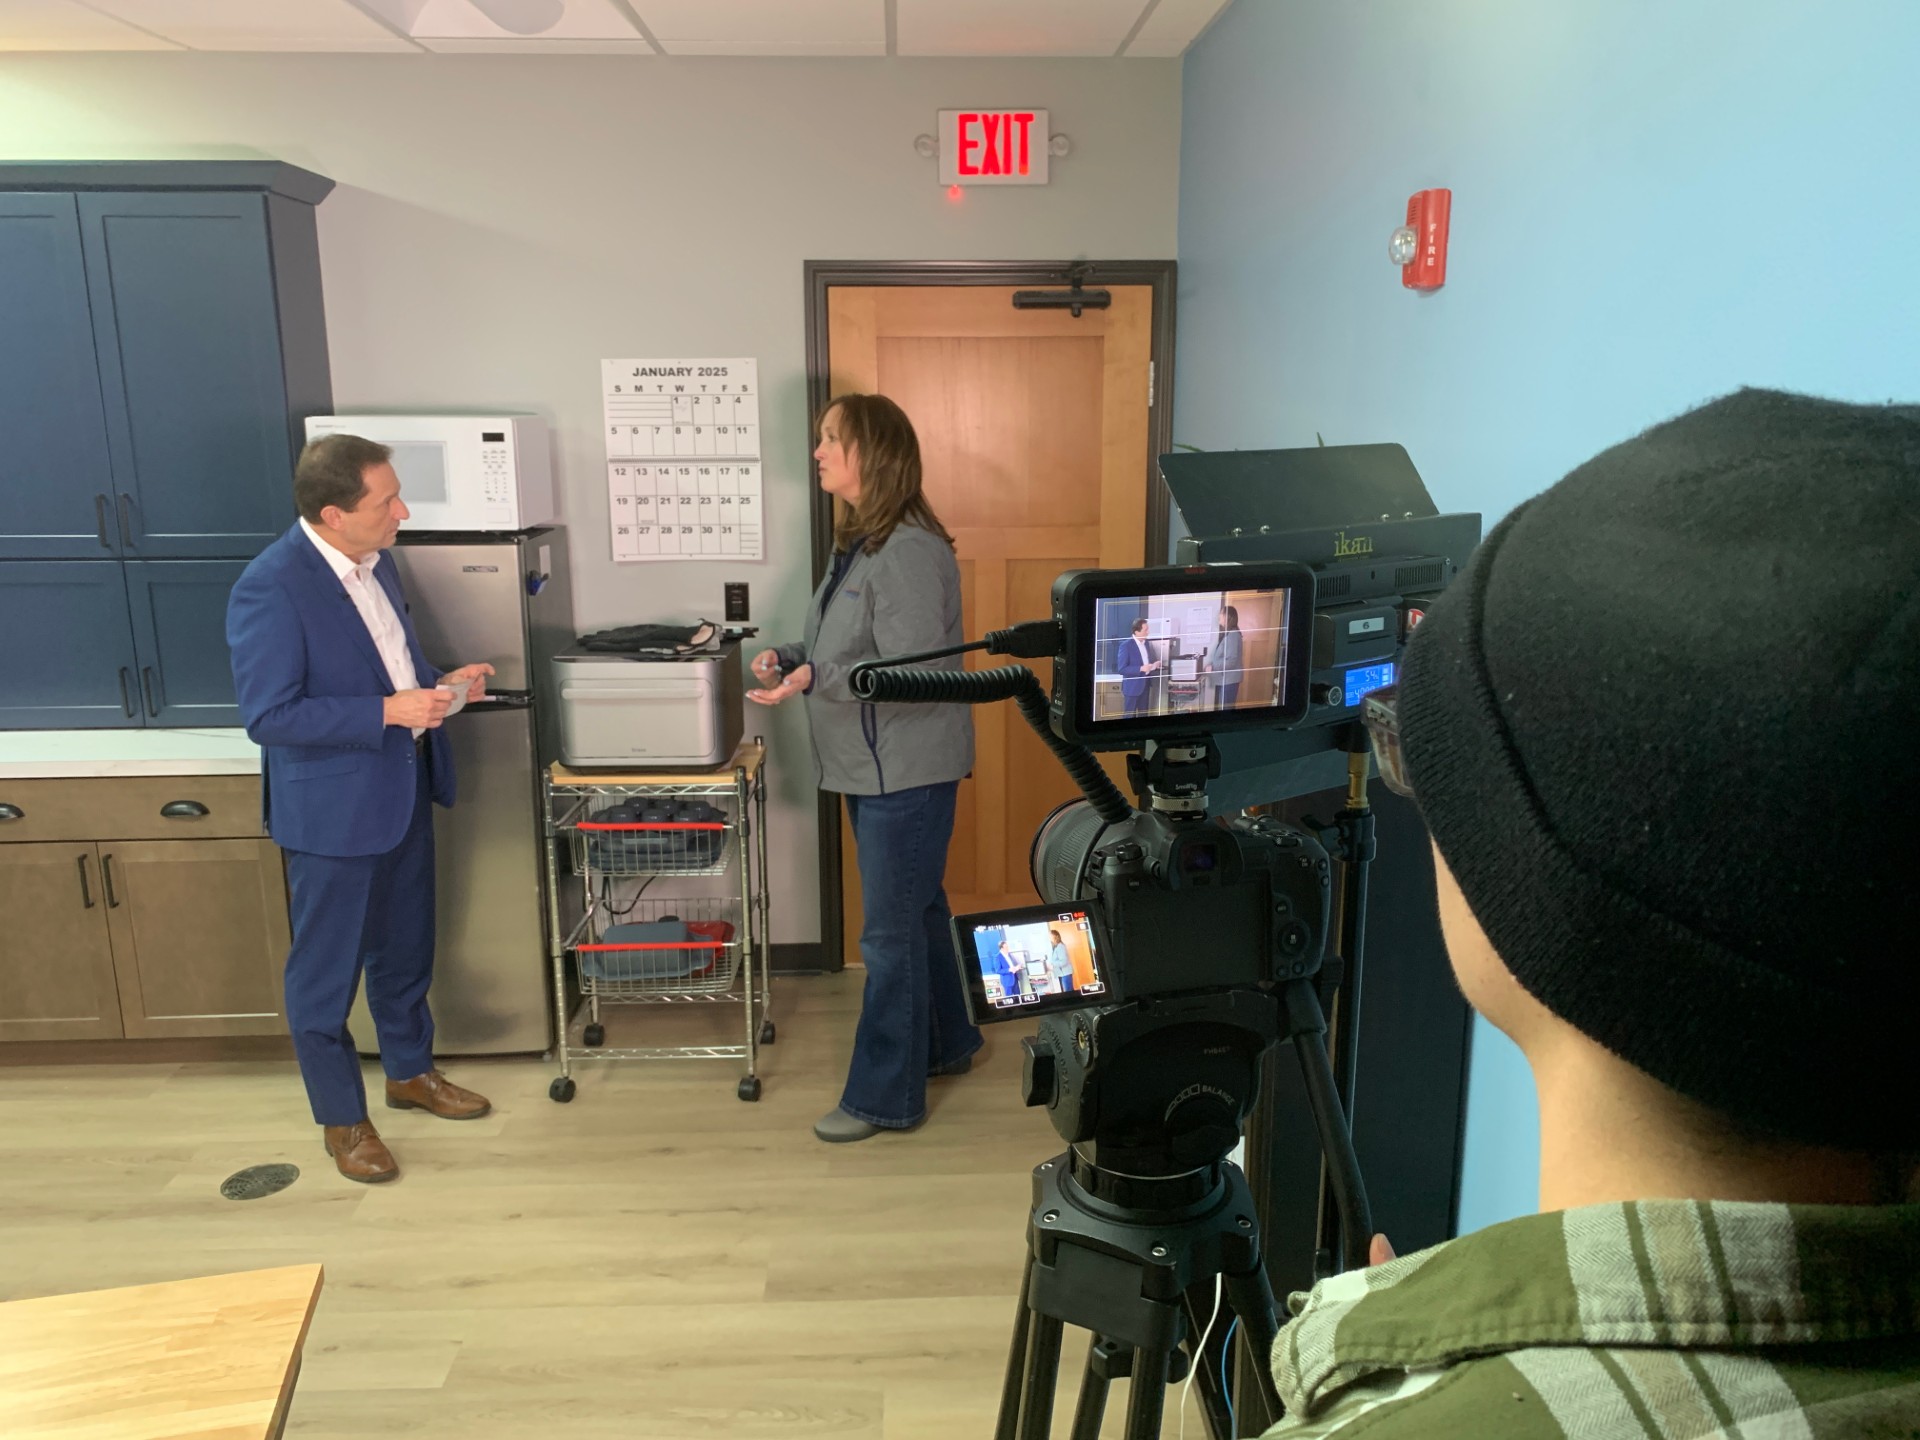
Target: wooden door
pixel 199 935
pixel 56 965
pixel 1033 433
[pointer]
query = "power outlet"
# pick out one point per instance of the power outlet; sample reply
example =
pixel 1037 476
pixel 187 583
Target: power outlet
pixel 737 602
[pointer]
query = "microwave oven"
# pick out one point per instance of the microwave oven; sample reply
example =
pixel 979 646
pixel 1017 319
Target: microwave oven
pixel 461 472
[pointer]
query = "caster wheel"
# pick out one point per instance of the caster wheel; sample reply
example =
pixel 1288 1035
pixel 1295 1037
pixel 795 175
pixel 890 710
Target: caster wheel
pixel 595 1035
pixel 767 1033
pixel 750 1088
pixel 561 1090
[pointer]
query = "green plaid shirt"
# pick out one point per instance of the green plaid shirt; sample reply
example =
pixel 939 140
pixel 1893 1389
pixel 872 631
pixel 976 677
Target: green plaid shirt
pixel 1649 1321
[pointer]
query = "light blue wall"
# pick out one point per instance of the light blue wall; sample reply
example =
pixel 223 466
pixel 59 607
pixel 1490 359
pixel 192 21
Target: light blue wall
pixel 1653 203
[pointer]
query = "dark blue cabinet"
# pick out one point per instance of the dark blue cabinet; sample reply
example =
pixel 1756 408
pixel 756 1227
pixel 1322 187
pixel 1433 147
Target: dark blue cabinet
pixel 67 658
pixel 162 343
pixel 56 487
pixel 179 614
pixel 188 335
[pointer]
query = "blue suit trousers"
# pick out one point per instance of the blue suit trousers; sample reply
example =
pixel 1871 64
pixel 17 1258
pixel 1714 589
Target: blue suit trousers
pixel 354 914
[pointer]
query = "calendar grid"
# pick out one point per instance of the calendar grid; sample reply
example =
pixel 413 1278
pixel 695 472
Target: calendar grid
pixel 684 480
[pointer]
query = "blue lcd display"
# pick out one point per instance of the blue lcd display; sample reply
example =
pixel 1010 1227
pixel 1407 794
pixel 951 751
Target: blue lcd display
pixel 1362 680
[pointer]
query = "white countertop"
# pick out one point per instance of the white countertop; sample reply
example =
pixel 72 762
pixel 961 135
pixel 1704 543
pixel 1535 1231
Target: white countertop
pixel 93 754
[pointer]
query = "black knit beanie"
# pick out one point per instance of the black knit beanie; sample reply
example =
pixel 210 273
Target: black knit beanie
pixel 1665 729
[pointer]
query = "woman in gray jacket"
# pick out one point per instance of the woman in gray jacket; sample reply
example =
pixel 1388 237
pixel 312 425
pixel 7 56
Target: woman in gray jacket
pixel 1223 660
pixel 893 588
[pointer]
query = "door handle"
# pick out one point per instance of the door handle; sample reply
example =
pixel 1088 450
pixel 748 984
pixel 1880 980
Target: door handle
pixel 100 520
pixel 86 891
pixel 126 525
pixel 126 693
pixel 11 812
pixel 180 810
pixel 106 874
pixel 146 683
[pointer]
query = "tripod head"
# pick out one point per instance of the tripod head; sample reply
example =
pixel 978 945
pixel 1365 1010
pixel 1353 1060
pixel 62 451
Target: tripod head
pixel 1156 1088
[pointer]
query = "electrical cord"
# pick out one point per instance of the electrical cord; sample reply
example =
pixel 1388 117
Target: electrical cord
pixel 1226 1385
pixel 1199 1354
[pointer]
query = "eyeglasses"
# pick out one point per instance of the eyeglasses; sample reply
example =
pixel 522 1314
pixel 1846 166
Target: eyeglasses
pixel 1380 711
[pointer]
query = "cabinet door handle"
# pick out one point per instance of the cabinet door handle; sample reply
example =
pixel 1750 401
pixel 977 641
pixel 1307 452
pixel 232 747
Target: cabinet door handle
pixel 180 810
pixel 11 812
pixel 126 525
pixel 86 890
pixel 126 693
pixel 146 683
pixel 100 520
pixel 106 874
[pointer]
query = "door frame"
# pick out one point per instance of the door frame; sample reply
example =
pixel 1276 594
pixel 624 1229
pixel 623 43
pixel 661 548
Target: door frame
pixel 822 276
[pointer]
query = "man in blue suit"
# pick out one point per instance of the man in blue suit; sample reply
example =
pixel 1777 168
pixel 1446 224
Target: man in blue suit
pixel 1136 668
pixel 346 711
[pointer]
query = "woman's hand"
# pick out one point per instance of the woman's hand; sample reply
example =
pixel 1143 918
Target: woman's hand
pixel 796 683
pixel 766 667
pixel 1379 1250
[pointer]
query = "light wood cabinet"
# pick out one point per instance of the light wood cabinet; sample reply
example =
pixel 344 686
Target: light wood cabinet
pixel 56 962
pixel 199 935
pixel 107 933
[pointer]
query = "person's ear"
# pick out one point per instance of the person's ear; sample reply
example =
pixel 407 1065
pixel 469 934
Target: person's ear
pixel 330 516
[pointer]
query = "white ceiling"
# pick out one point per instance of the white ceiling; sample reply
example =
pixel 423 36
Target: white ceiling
pixel 633 27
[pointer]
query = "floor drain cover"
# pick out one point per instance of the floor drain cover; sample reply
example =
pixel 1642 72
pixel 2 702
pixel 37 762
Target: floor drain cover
pixel 258 1180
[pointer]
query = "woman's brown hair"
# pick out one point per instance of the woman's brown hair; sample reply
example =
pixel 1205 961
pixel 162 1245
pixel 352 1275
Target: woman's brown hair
pixel 882 441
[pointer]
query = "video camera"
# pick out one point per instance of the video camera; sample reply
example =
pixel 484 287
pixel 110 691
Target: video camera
pixel 1173 950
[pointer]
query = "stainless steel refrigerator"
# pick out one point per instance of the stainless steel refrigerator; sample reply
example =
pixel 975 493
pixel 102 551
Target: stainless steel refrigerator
pixel 508 600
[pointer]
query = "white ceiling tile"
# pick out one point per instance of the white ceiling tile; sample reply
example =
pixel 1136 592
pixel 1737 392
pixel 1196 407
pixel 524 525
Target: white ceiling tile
pixel 1015 27
pixel 790 48
pixel 533 45
pixel 256 24
pixel 1173 26
pixel 536 20
pixel 63 25
pixel 784 22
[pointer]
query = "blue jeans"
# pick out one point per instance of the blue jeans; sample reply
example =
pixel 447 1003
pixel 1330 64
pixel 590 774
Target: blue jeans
pixel 913 1013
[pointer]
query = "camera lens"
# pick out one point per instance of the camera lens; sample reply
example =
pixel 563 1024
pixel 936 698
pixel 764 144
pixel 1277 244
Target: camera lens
pixel 1063 849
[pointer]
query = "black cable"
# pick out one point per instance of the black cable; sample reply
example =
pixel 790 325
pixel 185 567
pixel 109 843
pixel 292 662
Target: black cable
pixel 879 680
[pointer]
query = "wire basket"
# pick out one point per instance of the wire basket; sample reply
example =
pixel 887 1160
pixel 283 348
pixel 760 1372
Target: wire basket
pixel 667 847
pixel 657 948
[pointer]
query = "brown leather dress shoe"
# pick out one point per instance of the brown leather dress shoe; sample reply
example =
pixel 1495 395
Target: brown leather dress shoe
pixel 438 1095
pixel 360 1153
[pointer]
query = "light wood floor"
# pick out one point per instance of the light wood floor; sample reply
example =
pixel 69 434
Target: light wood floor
pixel 655 1260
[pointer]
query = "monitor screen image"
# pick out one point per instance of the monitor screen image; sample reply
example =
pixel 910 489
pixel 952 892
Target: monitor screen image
pixel 1189 654
pixel 1026 962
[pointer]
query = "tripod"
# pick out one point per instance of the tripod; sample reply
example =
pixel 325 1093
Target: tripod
pixel 1127 1257
pixel 1133 1256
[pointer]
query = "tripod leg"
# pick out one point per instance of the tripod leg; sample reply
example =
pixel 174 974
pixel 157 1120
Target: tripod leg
pixel 1147 1394
pixel 1009 1419
pixel 1251 1297
pixel 1091 1412
pixel 1213 1401
pixel 1043 1373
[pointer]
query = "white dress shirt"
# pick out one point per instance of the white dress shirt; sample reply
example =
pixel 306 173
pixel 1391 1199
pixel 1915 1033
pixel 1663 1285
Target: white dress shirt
pixel 369 597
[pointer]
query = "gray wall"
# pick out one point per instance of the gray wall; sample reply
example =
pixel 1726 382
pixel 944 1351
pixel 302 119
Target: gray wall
pixel 505 223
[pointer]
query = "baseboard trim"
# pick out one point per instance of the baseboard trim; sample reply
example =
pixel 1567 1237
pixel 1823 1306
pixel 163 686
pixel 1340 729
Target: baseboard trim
pixel 801 958
pixel 147 1052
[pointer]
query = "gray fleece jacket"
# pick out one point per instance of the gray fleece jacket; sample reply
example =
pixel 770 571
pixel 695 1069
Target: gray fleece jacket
pixel 903 599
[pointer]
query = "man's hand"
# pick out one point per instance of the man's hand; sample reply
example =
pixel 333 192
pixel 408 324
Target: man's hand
pixel 1150 667
pixel 796 683
pixel 474 677
pixel 416 709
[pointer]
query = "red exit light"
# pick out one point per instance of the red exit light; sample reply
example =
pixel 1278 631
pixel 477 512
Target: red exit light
pixel 993 147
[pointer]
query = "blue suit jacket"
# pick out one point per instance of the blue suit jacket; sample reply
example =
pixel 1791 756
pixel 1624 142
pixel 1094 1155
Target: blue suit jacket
pixel 1133 662
pixel 335 780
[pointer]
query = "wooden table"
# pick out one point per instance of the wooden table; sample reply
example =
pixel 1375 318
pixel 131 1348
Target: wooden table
pixel 208 1359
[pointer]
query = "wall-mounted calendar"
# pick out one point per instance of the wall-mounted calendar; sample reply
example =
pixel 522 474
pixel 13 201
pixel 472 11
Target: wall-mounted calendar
pixel 683 458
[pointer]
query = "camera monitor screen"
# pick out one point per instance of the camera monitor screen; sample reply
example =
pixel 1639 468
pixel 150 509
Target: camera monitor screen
pixel 1028 961
pixel 1188 649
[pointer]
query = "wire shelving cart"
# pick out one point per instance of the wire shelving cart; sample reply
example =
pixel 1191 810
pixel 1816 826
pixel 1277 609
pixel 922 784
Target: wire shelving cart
pixel 632 946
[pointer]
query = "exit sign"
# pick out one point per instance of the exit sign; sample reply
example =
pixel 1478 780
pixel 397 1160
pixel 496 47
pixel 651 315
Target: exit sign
pixel 993 147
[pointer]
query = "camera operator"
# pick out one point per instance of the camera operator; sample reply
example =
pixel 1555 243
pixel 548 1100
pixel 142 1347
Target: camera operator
pixel 1662 733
